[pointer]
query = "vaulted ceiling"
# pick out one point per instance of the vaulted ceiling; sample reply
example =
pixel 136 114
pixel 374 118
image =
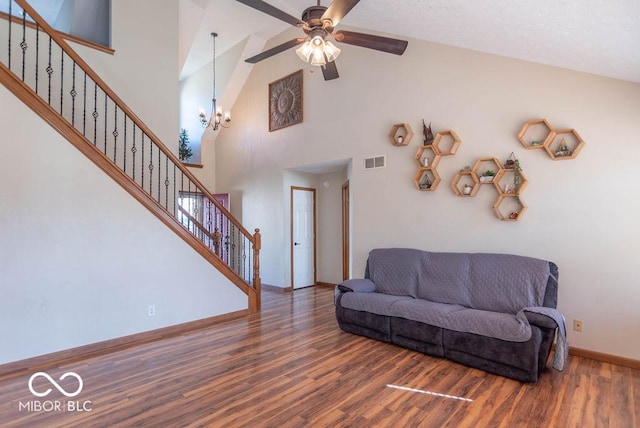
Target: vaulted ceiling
pixel 594 36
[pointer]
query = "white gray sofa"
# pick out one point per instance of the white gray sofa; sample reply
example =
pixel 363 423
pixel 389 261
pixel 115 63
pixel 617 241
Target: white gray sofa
pixel 495 312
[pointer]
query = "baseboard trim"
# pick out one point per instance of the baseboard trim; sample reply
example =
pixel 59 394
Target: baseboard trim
pixel 325 284
pixel 18 368
pixel 275 288
pixel 605 358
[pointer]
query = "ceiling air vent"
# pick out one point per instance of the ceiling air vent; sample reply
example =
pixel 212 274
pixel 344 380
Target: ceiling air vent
pixel 375 162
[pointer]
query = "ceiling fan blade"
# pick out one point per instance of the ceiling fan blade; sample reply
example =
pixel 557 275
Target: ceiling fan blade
pixel 273 11
pixel 330 71
pixel 379 43
pixel 338 9
pixel 275 50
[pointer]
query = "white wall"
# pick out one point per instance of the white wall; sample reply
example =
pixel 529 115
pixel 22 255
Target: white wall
pixel 581 212
pixel 80 259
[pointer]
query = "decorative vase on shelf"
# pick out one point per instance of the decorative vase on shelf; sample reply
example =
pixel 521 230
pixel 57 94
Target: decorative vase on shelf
pixel 425 161
pixel 467 189
pixel 400 139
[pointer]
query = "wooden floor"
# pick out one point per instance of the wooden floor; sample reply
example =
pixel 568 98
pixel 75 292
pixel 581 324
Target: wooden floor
pixel 291 366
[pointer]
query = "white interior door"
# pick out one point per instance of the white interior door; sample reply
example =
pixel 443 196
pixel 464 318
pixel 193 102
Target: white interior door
pixel 303 237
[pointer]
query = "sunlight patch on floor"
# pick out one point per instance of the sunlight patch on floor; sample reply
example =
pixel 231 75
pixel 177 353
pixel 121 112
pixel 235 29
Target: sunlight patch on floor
pixel 437 394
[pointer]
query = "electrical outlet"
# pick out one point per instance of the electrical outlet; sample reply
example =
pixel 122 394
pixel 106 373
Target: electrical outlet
pixel 577 325
pixel 152 310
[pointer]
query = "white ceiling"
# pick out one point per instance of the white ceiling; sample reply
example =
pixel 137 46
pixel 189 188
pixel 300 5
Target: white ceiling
pixel 595 36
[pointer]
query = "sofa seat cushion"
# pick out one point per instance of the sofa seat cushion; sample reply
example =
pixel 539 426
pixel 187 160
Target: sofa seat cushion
pixel 458 318
pixel 492 324
pixel 425 311
pixel 376 303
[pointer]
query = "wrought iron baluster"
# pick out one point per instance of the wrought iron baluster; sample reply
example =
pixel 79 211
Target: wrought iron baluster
pixel 181 185
pixel 159 168
pixel 49 72
pixel 124 150
pixel 150 167
pixel 73 96
pixel 37 54
pixel 233 247
pixel 84 105
pixel 105 122
pixel 115 132
pixel 134 149
pixel 61 80
pixel 23 43
pixel 166 183
pixel 250 272
pixel 9 46
pixel 181 204
pixel 174 188
pixel 189 194
pixel 142 163
pixel 244 256
pixel 95 113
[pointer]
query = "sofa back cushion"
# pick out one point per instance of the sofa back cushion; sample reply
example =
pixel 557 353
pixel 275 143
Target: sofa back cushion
pixel 490 282
pixel 507 283
pixel 396 271
pixel 446 278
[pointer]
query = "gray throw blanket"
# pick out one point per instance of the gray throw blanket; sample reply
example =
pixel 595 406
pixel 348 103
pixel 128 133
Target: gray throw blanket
pixel 562 346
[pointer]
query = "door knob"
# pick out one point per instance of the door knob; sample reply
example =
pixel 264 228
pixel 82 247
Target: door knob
pixel 296 243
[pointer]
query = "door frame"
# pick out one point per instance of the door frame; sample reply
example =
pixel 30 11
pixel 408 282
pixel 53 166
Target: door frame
pixel 345 231
pixel 315 220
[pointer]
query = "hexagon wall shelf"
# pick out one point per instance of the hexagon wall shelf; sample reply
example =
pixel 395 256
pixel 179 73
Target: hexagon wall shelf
pixel 429 153
pixel 446 143
pixel 563 144
pixel 427 179
pixel 401 134
pixel 464 179
pixel 534 134
pixel 509 208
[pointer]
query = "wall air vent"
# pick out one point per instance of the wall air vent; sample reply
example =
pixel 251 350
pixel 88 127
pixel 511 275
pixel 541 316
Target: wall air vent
pixel 375 162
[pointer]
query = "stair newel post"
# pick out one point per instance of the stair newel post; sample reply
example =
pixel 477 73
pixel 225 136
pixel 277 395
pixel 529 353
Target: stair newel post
pixel 257 244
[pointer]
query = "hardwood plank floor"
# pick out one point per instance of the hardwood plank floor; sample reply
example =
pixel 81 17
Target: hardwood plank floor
pixel 291 366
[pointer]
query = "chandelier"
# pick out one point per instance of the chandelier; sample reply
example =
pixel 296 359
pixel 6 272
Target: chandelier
pixel 318 50
pixel 217 119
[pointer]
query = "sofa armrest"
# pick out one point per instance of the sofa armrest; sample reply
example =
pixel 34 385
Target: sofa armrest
pixel 540 320
pixel 357 285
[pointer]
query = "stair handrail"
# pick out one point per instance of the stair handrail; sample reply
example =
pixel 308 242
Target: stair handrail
pixel 253 239
pixel 116 99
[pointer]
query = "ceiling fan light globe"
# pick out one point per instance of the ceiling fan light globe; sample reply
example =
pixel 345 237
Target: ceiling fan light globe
pixel 304 51
pixel 331 51
pixel 317 41
pixel 317 57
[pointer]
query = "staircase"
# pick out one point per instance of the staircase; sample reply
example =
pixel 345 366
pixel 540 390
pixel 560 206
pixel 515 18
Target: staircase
pixel 43 71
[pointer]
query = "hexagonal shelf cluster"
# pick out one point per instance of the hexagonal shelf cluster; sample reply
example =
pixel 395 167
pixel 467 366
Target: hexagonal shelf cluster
pixel 559 145
pixel 509 206
pixel 428 157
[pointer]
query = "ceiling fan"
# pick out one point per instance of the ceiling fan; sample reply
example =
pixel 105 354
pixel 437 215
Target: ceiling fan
pixel 318 23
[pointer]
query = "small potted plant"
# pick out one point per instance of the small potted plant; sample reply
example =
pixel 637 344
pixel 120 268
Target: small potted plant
pixel 184 151
pixel 488 176
pixel 467 189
